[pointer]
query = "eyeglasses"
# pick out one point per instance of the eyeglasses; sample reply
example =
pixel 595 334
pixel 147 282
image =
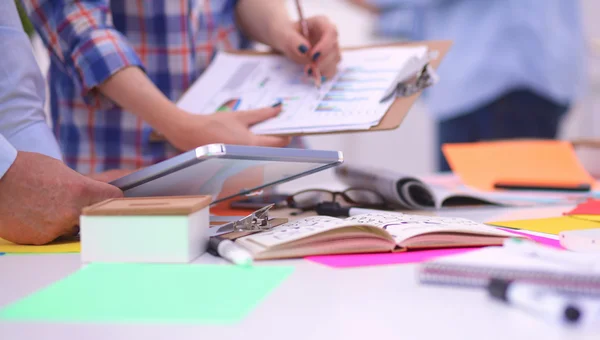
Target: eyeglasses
pixel 311 198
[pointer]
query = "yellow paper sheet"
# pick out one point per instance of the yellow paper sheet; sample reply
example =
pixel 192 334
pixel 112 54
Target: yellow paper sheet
pixel 63 246
pixel 552 225
pixel 595 218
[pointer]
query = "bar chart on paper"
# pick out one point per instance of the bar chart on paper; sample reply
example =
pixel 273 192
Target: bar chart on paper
pixel 351 100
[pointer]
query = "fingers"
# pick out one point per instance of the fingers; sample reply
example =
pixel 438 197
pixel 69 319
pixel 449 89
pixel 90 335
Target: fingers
pixel 328 66
pixel 96 191
pixel 326 51
pixel 105 191
pixel 324 37
pixel 297 47
pixel 272 141
pixel 252 117
pixel 110 175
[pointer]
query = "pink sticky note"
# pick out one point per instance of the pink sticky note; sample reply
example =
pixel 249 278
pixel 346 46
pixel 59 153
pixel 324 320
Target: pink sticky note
pixel 589 207
pixel 363 260
pixel 540 239
pixel 417 256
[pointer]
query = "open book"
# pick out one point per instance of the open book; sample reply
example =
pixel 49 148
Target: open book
pixel 409 192
pixel 369 233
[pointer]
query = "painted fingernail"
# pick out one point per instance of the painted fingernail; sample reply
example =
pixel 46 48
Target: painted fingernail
pixel 323 78
pixel 302 48
pixel 278 104
pixel 309 72
pixel 316 56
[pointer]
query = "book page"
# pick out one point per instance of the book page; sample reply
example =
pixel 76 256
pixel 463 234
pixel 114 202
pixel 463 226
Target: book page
pixel 350 100
pixel 384 182
pixel 296 230
pixel 404 226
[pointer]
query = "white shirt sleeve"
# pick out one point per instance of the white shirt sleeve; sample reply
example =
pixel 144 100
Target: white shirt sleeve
pixel 22 91
pixel 8 154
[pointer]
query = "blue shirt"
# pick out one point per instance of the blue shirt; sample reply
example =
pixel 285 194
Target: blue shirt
pixel 22 121
pixel 498 45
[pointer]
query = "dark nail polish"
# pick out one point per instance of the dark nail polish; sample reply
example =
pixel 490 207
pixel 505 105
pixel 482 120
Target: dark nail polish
pixel 316 56
pixel 302 48
pixel 278 104
pixel 309 72
pixel 323 78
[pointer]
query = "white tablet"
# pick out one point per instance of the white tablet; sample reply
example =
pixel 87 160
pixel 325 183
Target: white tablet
pixel 225 171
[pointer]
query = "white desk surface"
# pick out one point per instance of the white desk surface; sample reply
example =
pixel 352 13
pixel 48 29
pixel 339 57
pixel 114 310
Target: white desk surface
pixel 316 302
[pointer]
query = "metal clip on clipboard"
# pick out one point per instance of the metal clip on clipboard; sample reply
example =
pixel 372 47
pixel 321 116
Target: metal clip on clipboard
pixel 257 221
pixel 416 76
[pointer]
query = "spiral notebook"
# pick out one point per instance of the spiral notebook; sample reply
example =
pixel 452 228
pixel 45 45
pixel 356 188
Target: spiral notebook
pixel 475 269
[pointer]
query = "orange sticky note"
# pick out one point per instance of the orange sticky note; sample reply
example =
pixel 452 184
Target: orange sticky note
pixel 547 162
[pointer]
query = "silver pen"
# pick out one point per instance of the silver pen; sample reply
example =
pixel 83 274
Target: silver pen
pixel 229 250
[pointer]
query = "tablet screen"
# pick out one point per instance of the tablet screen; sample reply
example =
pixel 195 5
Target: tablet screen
pixel 223 178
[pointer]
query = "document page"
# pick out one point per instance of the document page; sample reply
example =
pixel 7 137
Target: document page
pixel 350 100
pixel 296 230
pixel 404 226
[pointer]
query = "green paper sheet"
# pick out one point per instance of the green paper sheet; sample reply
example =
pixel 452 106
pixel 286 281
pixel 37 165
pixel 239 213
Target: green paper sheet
pixel 151 293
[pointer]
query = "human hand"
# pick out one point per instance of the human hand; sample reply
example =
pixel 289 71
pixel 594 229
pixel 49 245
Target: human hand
pixel 110 175
pixel 321 47
pixel 365 4
pixel 41 199
pixel 223 127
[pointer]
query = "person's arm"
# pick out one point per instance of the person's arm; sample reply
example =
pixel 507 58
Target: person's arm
pixel 22 118
pixel 40 197
pixel 268 21
pixel 80 34
pixel 391 4
pixel 382 6
pixel 260 20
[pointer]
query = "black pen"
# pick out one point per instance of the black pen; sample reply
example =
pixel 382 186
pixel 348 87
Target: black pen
pixel 537 300
pixel 227 249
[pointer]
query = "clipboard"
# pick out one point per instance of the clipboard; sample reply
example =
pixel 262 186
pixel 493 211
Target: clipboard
pixel 395 115
pixel 397 112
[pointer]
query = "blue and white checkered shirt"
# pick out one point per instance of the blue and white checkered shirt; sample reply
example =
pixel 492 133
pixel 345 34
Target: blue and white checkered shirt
pixel 172 41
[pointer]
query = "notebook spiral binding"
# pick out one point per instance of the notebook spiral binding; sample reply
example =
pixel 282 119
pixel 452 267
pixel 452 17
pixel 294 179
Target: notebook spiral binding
pixel 565 282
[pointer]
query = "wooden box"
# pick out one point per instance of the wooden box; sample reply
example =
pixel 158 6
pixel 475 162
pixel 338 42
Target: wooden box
pixel 154 229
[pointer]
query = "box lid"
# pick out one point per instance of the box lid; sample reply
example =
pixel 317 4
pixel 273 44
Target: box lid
pixel 168 205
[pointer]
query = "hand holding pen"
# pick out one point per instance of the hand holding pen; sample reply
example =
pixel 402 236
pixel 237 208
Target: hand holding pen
pixel 312 42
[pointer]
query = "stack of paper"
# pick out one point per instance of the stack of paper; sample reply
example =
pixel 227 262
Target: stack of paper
pixel 481 165
pixel 585 216
pixel 351 100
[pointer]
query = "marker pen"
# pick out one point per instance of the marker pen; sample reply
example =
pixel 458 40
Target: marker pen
pixel 536 300
pixel 584 262
pixel 227 249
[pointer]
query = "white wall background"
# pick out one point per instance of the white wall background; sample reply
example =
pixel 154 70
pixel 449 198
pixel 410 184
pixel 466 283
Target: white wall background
pixel 412 144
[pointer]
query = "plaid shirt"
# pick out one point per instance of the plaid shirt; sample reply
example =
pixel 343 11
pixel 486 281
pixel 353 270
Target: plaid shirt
pixel 173 41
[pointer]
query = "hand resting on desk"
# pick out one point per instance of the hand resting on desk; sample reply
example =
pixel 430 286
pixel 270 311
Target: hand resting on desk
pixel 41 199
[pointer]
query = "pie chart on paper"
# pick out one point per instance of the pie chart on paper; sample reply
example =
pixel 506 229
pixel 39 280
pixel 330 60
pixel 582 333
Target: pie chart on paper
pixel 230 105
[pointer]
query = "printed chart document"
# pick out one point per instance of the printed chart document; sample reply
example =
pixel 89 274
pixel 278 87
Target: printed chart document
pixel 351 100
